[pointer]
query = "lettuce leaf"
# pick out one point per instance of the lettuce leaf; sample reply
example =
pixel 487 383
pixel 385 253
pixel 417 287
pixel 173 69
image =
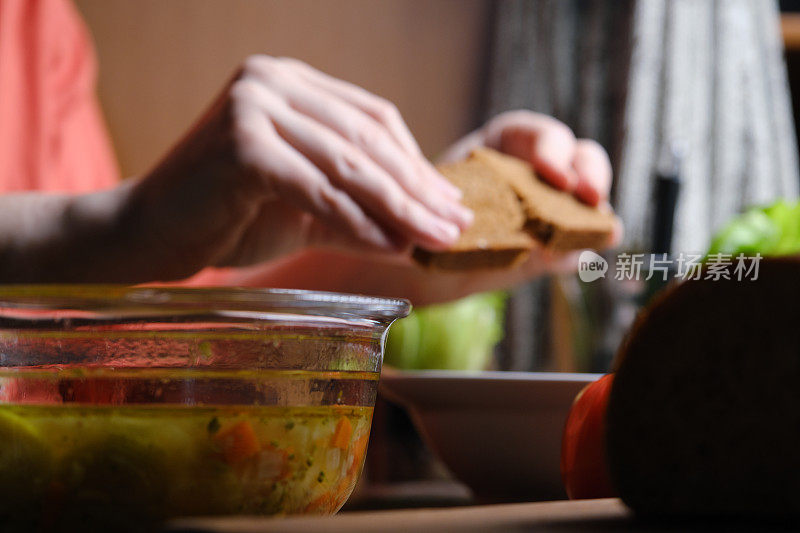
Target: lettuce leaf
pixel 459 335
pixel 769 230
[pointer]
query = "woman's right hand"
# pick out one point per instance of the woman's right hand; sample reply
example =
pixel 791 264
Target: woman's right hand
pixel 288 157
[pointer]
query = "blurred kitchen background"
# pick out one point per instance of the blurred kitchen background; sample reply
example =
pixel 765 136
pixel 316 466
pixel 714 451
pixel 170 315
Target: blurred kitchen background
pixel 693 91
pixel 702 78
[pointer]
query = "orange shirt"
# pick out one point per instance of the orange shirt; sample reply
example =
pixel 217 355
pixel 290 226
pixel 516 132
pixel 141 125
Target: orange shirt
pixel 52 135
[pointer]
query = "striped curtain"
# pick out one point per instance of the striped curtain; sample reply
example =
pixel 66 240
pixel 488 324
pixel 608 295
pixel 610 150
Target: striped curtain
pixel 638 75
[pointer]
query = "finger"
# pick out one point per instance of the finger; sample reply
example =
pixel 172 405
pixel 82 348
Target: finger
pixel 616 234
pixel 547 143
pixel 593 169
pixel 379 109
pixel 366 182
pixel 350 170
pixel 321 235
pixel 375 141
pixel 550 150
pixel 303 184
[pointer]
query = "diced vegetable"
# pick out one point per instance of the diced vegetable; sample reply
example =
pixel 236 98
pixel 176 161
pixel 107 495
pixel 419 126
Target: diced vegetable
pixel 330 501
pixel 270 464
pixel 359 450
pixel 238 442
pixel 109 467
pixel 322 504
pixel 342 433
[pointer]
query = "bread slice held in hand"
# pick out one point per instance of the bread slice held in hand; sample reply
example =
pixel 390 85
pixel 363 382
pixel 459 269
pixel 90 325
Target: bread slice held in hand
pixel 497 237
pixel 515 211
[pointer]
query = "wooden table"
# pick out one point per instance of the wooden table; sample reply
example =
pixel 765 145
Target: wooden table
pixel 562 517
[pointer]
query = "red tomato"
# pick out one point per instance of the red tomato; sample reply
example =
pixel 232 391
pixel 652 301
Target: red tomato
pixel 583 448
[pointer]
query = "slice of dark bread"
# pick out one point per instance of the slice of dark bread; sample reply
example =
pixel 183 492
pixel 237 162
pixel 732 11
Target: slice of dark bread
pixel 514 209
pixel 704 413
pixel 496 238
pixel 554 218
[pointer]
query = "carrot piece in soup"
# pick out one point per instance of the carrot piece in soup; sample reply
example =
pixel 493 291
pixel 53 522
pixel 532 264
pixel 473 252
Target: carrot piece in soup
pixel 330 501
pixel 238 442
pixel 359 449
pixel 342 433
pixel 322 504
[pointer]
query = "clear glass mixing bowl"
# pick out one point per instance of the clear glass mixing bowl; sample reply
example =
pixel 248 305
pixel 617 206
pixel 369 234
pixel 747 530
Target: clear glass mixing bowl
pixel 123 407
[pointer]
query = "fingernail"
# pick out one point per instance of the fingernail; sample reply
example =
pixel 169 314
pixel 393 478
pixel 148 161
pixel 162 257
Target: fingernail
pixel 563 178
pixel 572 179
pixel 463 216
pixel 588 195
pixel 448 188
pixel 445 231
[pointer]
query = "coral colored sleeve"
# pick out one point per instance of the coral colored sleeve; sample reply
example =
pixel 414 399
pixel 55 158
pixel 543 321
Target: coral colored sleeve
pixel 52 135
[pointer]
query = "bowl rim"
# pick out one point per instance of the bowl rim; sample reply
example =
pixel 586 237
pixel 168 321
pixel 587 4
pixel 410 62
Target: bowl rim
pixel 493 375
pixel 148 298
pixel 485 390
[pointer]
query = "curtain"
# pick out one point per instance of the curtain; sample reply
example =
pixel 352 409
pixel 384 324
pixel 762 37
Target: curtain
pixel 639 76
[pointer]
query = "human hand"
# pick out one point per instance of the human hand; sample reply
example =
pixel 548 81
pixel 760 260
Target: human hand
pixel 288 158
pixel 580 166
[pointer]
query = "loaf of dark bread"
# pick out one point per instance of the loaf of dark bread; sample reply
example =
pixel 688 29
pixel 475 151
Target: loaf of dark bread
pixel 704 414
pixel 514 210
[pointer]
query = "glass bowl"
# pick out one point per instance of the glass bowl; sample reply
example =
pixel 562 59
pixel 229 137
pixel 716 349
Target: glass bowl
pixel 123 407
